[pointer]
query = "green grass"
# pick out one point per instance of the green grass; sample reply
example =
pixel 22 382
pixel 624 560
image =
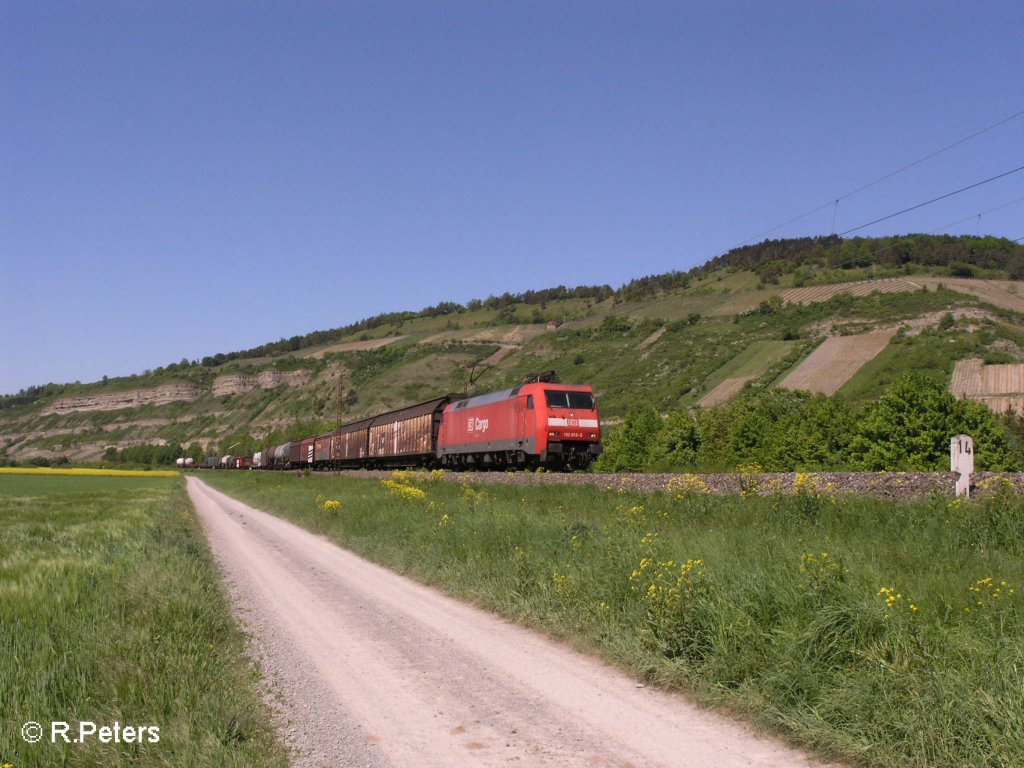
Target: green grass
pixel 765 625
pixel 754 361
pixel 757 358
pixel 110 611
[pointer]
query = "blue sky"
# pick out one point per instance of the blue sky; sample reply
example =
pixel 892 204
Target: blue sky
pixel 180 179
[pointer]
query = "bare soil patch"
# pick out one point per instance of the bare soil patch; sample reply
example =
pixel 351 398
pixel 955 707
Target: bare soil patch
pixel 354 346
pixel 724 391
pixel 1007 294
pixel 814 293
pixel 1000 387
pixel 966 380
pixel 503 351
pixel 836 360
pixel 652 338
pixel 514 336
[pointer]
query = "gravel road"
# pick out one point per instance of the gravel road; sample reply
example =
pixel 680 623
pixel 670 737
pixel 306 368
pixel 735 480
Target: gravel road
pixel 367 668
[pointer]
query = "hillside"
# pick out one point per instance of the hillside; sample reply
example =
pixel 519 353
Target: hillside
pixel 757 317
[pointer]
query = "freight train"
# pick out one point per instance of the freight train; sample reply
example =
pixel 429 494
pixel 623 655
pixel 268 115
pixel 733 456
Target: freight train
pixel 540 424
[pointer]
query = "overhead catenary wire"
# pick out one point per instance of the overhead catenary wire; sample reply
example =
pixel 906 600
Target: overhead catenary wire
pixel 933 154
pixel 979 214
pixel 900 241
pixel 835 201
pixel 934 200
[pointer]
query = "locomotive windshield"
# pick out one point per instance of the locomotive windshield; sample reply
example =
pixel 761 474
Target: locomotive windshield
pixel 580 401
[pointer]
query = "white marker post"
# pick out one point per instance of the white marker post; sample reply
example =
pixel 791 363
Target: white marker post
pixel 961 459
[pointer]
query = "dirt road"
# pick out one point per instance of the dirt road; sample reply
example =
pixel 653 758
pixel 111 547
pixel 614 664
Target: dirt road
pixel 371 669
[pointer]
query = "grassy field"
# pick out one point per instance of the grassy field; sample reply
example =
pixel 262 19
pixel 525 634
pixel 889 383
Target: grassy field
pixel 110 612
pixel 876 632
pixel 751 363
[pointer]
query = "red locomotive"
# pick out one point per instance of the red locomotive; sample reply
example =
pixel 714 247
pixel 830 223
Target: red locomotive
pixel 539 424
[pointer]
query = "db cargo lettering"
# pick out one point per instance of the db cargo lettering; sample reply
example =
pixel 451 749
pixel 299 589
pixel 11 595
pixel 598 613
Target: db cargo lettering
pixel 477 425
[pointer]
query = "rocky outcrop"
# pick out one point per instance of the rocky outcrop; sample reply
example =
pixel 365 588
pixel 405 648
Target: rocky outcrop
pixel 272 379
pixel 131 398
pixel 240 383
pixel 233 384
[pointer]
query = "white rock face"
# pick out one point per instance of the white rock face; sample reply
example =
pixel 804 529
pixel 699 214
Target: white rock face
pixel 273 379
pixel 231 384
pixel 235 384
pixel 131 398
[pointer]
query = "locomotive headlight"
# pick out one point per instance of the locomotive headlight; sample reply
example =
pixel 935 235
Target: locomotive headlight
pixel 552 434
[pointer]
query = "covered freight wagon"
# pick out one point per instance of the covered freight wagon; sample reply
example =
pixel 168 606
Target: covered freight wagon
pixel 399 438
pixel 347 446
pixel 300 452
pixel 408 432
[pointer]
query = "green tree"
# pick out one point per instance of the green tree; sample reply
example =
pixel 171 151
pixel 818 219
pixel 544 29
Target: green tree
pixel 802 432
pixel 629 449
pixel 780 430
pixel 910 426
pixel 992 450
pixel 677 445
pixel 905 429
